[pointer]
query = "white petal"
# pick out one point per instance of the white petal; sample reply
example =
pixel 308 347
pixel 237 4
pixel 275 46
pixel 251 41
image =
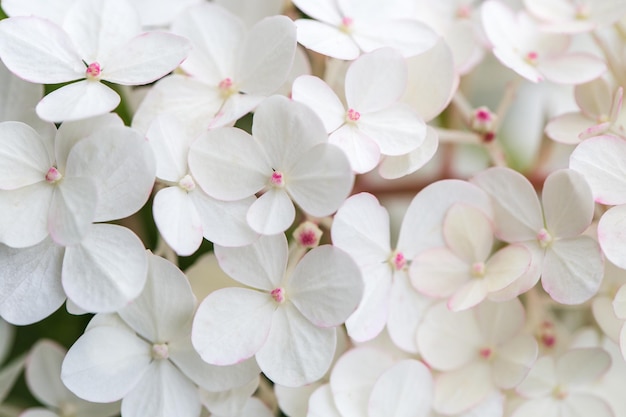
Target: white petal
pixel 322 404
pixel 405 390
pixel 567 127
pixel 122 164
pixel 518 215
pixel 228 164
pixel 38 412
pixel 361 150
pixel 579 367
pixel 177 219
pixel 547 406
pixel 260 265
pixel 266 55
pixel 24 220
pixel 407 36
pixel 397 130
pixel 105 364
pixel 318 95
pixel 272 213
pixel 72 210
pixel 322 10
pixel 162 390
pixel 31 282
pixel 106 270
pixel 457 391
pixel 567 203
pixel 39 51
pixel 393 167
pixel 468 295
pixel 165 305
pixel 24 157
pixel 232 324
pixel 500 322
pixel 439 272
pixel 8 376
pixel 600 160
pixel 231 402
pixel 589 405
pixel 573 270
pixel 171 147
pixel 145 58
pixel 235 107
pixel 327 40
pixel 320 180
pixel 296 351
pixel 573 68
pixel 54 12
pixel 43 373
pixel 326 286
pixel 541 379
pixel 77 101
pixel 448 340
pixel 513 360
pixel 505 266
pixel 468 233
pixel 18 99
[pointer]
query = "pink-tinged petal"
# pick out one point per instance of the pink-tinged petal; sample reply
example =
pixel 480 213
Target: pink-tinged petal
pixel 362 152
pixel 72 210
pixel 595 130
pixel 567 127
pixel 326 40
pixel 260 265
pixel 405 390
pixel 77 101
pixel 499 322
pixel 210 61
pixel 498 19
pixel 461 389
pixel 232 324
pixel 406 310
pixel 528 279
pixel 587 405
pixel 548 406
pixel 448 340
pixel 43 373
pixel 518 64
pixel 426 97
pixel 99 28
pixel 594 98
pixel 165 305
pixel 468 233
pixel 24 157
pixel 106 270
pixel 421 228
pixel 573 270
pixel 24 220
pixel 361 228
pixel 541 379
pixel 513 361
pixel 396 130
pixel 573 68
pixel 322 403
pixel 601 161
pixel 468 295
pixel 326 286
pixel 52 11
pixel 145 58
pixel 619 303
pixel 407 36
pixel 39 51
pixel 266 56
pixel 376 81
pixel 296 351
pixel 272 213
pixel 121 163
pixel 393 167
pixel 316 94
pixel 505 266
pixel 320 180
pixel 210 377
pixel 193 102
pixel 354 376
pixel 105 364
pixel 177 219
pixel 439 272
pixel 286 131
pixel 224 222
pixel 322 10
pixel 31 282
pixel 567 203
pixel 228 164
pixel 162 390
pixel 517 210
pixel 369 319
pixel 580 367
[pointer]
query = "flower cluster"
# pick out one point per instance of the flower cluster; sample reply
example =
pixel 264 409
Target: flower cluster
pixel 414 208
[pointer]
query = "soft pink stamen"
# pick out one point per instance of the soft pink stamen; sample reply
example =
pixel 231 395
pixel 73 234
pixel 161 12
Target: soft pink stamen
pixel 478 269
pixel 53 175
pixel 308 234
pixel 93 70
pixel 277 179
pixel 483 115
pixel 225 84
pixel 547 336
pixel 307 238
pixel 464 11
pixel 187 183
pixel 544 237
pixel 347 22
pixel 486 353
pixel 278 294
pixel 532 57
pixel 353 115
pixel 160 351
pixel 399 261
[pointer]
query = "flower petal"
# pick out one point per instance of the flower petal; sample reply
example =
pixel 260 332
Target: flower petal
pixel 394 167
pixel 272 213
pixel 72 210
pixel 177 219
pixel 24 220
pixel 567 203
pixel 318 95
pixel 24 157
pixel 326 40
pixel 77 101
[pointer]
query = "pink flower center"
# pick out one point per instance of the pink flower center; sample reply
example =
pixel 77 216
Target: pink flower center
pixel 225 84
pixel 478 269
pixel 160 351
pixel 464 11
pixel 485 353
pixel 187 183
pixel 307 234
pixel 277 179
pixel 532 57
pixel 399 261
pixel 53 175
pixel 353 115
pixel 278 294
pixel 547 336
pixel 346 25
pixel 583 11
pixel 545 238
pixel 560 392
pixel 93 71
